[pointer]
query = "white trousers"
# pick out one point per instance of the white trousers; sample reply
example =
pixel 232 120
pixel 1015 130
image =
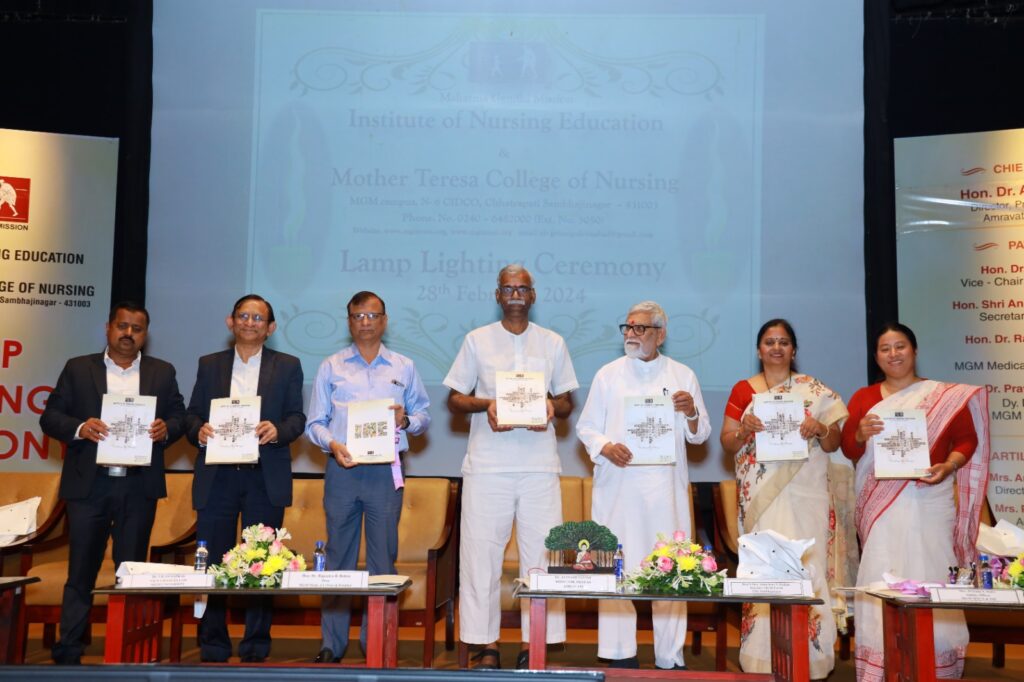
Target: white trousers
pixel 490 503
pixel 616 634
pixel 637 503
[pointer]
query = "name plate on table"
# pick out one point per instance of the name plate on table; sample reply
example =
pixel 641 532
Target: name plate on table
pixel 953 595
pixel 166 580
pixel 572 582
pixel 314 580
pixel 744 587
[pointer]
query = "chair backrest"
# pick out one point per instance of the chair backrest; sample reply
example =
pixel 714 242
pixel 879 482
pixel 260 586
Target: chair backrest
pixel 424 511
pixel 305 518
pixel 20 486
pixel 729 516
pixel 174 514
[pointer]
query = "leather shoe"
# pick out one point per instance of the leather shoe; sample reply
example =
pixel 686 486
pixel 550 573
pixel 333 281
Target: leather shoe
pixel 486 665
pixel 326 656
pixel 523 660
pixel 674 667
pixel 630 663
pixel 253 659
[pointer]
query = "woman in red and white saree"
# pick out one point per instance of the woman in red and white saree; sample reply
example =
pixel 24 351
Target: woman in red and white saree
pixel 915 529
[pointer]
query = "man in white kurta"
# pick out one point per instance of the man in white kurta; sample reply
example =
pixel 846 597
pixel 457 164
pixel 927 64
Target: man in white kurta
pixel 509 474
pixel 639 501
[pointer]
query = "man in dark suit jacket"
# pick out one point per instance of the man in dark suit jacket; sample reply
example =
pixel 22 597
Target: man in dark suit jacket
pixel 103 501
pixel 258 492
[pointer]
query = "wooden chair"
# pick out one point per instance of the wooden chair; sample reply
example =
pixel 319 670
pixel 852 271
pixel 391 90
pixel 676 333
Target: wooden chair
pixel 47 559
pixel 427 546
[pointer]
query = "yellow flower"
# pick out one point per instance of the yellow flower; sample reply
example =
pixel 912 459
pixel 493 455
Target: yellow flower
pixel 687 562
pixel 662 551
pixel 694 548
pixel 1015 569
pixel 254 554
pixel 273 565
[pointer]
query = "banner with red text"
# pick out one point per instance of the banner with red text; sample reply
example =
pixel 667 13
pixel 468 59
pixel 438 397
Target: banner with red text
pixel 960 250
pixel 57 196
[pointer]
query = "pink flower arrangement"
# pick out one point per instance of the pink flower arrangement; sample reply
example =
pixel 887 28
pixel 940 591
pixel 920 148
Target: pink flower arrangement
pixel 260 560
pixel 678 566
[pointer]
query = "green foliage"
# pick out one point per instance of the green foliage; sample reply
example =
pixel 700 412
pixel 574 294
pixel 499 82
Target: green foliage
pixel 569 534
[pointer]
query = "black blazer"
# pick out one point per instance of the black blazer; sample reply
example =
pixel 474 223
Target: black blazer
pixel 79 396
pixel 280 391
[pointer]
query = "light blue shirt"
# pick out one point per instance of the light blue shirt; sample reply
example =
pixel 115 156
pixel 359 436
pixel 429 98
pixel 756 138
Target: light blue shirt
pixel 346 377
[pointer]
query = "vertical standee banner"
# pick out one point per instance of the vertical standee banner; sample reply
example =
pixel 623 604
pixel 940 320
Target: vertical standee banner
pixel 57 196
pixel 960 250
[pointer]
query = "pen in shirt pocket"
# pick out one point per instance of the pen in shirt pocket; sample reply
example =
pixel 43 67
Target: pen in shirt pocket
pixel 398 383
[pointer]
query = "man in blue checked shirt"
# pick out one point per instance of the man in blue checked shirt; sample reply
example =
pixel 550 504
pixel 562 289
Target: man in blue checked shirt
pixel 366 370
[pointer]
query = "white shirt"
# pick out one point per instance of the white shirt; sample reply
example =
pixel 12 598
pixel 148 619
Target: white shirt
pixel 490 349
pixel 245 376
pixel 603 418
pixel 120 380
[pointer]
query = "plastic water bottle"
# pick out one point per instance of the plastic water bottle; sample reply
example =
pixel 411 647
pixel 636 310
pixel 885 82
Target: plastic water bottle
pixel 986 573
pixel 619 561
pixel 202 557
pixel 319 557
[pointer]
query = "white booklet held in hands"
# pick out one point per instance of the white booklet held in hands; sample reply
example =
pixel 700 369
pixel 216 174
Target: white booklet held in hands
pixel 370 436
pixel 782 414
pixel 128 418
pixel 234 439
pixel 901 449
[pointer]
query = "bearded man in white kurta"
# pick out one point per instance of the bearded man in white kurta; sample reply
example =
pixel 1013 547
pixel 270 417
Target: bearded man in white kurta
pixel 639 501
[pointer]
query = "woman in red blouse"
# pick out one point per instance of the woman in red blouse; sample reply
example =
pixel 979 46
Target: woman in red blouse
pixel 791 497
pixel 914 529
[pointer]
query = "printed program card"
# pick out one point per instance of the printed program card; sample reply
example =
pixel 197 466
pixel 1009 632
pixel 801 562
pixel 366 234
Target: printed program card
pixel 521 398
pixel 370 434
pixel 650 429
pixel 901 449
pixel 234 439
pixel 781 414
pixel 128 418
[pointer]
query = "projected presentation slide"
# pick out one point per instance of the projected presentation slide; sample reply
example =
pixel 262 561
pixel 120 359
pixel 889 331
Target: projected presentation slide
pixel 705 155
pixel 421 153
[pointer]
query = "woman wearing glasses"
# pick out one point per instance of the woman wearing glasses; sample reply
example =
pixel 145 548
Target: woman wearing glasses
pixel 916 529
pixel 789 497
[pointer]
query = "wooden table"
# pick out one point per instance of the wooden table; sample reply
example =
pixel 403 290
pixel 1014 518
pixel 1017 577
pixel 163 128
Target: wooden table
pixel 909 633
pixel 790 653
pixel 135 618
pixel 12 600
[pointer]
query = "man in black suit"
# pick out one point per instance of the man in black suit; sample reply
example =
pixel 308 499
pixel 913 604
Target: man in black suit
pixel 258 492
pixel 103 501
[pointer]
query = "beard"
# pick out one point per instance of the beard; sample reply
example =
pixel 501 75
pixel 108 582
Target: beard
pixel 633 349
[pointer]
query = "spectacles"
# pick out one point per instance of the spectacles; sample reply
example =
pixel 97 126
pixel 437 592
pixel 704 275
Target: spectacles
pixel 638 329
pixel 521 290
pixel 359 317
pixel 255 317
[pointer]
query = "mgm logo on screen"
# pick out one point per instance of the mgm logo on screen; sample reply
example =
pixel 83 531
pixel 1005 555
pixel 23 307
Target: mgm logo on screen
pixel 14 202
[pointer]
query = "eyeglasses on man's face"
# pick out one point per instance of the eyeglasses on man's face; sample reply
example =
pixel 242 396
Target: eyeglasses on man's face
pixel 255 318
pixel 521 290
pixel 637 329
pixel 359 317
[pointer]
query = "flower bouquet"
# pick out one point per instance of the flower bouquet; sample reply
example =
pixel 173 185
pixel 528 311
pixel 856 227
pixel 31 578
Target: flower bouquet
pixel 1013 573
pixel 678 566
pixel 260 561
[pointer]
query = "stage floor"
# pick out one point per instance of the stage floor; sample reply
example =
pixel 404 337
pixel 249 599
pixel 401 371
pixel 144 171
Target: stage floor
pixel 299 644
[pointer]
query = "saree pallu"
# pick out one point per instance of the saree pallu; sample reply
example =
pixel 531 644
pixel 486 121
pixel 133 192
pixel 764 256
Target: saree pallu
pixel 915 530
pixel 793 498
